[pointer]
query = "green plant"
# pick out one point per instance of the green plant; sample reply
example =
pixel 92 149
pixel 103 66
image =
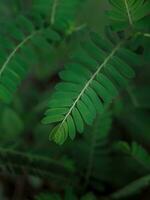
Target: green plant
pixel 86 74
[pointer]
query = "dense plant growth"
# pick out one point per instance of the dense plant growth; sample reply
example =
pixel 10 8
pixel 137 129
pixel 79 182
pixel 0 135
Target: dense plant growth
pixel 74 99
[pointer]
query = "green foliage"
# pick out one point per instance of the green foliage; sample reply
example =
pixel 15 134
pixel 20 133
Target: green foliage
pixel 133 188
pixel 88 196
pixel 77 60
pixel 68 196
pixel 17 125
pixel 137 152
pixel 17 51
pixel 15 162
pixel 59 13
pixel 86 95
pixel 45 196
pixel 94 152
pixel 127 13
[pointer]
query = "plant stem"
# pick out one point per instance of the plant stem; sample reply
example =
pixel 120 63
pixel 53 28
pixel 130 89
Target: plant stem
pixel 16 162
pixel 132 188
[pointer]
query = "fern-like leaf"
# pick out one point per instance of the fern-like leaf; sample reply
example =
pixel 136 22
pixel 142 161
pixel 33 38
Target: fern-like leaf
pixel 127 12
pixel 89 83
pixel 137 152
pixel 17 51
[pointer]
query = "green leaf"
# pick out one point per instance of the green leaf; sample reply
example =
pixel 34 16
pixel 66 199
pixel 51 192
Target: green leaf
pixel 125 13
pixel 19 50
pixel 90 82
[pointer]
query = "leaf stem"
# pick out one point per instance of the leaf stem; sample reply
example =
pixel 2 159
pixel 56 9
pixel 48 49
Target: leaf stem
pixel 14 52
pixel 17 162
pixel 132 188
pixel 128 13
pixel 53 12
pixel 90 81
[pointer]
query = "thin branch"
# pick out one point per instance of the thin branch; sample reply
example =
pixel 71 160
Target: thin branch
pixel 80 27
pixel 128 13
pixel 15 162
pixel 133 188
pixel 53 12
pixel 146 35
pixel 133 97
pixel 143 34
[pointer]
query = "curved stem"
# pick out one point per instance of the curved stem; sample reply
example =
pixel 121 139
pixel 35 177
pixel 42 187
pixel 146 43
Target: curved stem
pixel 132 188
pixel 14 52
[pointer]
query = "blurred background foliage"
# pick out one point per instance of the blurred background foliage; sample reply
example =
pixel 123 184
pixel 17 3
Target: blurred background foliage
pixel 110 168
